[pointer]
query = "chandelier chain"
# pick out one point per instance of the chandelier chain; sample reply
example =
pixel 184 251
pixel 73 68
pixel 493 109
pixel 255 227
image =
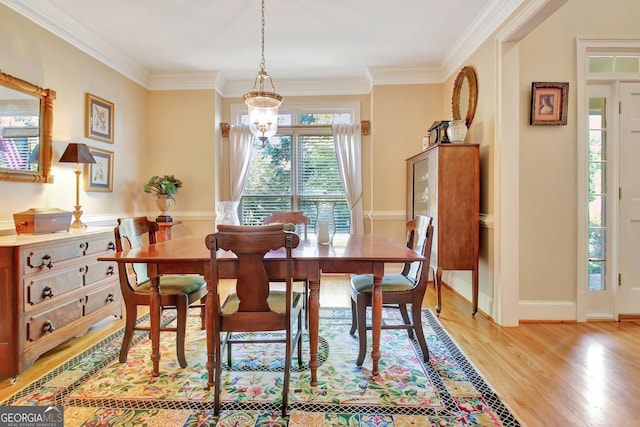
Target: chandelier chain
pixel 262 62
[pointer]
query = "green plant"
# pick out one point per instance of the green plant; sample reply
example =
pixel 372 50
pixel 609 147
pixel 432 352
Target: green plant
pixel 167 185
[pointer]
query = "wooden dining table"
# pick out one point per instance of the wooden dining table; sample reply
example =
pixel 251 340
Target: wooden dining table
pixel 355 254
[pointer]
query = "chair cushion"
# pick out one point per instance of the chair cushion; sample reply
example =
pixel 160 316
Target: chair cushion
pixel 175 284
pixel 277 302
pixel 390 283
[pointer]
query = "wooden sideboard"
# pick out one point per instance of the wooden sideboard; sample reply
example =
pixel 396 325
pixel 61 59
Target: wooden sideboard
pixel 444 182
pixel 53 288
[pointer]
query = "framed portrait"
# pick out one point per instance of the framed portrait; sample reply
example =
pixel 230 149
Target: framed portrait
pixel 549 103
pixel 99 119
pixel 99 175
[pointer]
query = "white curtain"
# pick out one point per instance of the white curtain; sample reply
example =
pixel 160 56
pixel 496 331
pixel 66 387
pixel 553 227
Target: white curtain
pixel 348 150
pixel 240 149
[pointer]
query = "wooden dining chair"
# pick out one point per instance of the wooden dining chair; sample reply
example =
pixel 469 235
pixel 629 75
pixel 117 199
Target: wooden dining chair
pixel 254 306
pixel 176 290
pixel 398 290
pixel 298 219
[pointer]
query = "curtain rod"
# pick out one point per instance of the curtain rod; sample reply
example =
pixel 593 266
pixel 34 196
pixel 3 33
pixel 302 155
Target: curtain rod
pixel 365 126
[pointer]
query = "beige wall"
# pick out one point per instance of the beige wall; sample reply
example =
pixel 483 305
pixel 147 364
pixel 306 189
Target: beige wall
pixel 35 55
pixel 548 167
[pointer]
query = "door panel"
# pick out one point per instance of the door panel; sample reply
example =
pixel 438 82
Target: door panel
pixel 629 211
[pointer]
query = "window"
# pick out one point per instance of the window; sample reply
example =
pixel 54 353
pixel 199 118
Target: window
pixel 597 173
pixel 297 169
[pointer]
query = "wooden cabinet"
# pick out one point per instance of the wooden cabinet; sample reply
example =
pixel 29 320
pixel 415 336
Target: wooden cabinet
pixel 444 182
pixel 53 288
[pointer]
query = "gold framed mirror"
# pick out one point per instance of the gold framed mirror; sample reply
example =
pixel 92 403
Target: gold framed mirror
pixel 465 95
pixel 26 128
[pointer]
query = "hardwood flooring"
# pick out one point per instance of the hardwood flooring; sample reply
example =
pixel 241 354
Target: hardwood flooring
pixel 548 374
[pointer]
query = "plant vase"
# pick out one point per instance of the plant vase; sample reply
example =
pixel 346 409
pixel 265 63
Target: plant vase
pixel 164 203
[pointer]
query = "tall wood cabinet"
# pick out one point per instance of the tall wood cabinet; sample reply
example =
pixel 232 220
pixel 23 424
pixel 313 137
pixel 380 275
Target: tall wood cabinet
pixel 52 288
pixel 443 182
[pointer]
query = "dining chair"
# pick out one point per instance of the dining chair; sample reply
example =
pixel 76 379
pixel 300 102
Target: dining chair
pixel 297 218
pixel 254 307
pixel 289 217
pixel 398 290
pixel 176 290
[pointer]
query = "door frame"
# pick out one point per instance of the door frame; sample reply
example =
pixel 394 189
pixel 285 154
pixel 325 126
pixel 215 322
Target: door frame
pixel 584 298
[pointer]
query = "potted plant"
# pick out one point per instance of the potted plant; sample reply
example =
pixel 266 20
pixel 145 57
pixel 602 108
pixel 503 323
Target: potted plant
pixel 164 188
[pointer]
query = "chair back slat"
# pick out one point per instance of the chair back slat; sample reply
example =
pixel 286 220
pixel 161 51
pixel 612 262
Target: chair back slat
pixel 136 232
pixel 250 244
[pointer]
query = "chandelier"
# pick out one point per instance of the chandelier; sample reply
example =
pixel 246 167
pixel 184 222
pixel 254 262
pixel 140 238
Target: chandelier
pixel 263 105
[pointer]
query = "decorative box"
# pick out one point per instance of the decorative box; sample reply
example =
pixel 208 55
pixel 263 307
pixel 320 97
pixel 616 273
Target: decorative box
pixel 438 132
pixel 42 220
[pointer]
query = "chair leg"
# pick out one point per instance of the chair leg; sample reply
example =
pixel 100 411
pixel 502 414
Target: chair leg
pixel 130 323
pixel 417 326
pixel 217 375
pixel 405 319
pixel 299 341
pixel 354 317
pixel 287 373
pixel 361 308
pixel 203 302
pixel 181 308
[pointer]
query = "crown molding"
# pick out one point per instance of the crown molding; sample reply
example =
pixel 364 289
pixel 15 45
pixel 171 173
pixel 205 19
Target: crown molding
pixel 52 19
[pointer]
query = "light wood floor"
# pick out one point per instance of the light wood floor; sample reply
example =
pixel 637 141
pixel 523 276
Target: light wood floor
pixel 549 374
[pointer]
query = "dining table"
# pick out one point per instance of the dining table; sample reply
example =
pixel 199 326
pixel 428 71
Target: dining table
pixel 350 254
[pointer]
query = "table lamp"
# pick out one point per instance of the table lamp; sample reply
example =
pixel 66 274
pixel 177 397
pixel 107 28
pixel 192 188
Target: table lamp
pixel 77 153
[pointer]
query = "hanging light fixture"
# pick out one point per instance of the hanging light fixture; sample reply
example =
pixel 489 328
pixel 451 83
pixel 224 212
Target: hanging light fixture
pixel 263 105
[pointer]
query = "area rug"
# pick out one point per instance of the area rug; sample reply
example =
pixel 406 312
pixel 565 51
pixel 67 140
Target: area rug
pixel 96 390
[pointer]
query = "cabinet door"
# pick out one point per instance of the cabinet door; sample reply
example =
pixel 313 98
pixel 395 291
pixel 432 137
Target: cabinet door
pixel 421 187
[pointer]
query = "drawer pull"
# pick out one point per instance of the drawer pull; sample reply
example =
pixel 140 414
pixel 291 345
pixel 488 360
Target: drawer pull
pixel 47 261
pixel 47 326
pixel 110 271
pixel 111 246
pixel 111 298
pixel 47 292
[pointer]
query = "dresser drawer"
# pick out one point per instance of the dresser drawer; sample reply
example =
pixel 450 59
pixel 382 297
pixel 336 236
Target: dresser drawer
pixel 101 245
pixel 102 297
pixel 41 288
pixel 98 270
pixel 50 321
pixel 42 259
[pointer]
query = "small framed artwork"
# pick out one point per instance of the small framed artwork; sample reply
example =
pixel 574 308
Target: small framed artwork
pixel 99 119
pixel 99 175
pixel 549 103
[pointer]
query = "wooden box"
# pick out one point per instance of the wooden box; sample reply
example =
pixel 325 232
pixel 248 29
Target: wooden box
pixel 40 221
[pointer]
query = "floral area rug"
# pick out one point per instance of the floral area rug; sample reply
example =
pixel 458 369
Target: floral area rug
pixel 96 390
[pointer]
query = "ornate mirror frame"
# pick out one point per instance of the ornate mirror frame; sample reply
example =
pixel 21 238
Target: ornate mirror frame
pixel 45 150
pixel 465 92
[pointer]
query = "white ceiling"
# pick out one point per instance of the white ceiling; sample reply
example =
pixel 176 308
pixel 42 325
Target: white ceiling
pixel 342 46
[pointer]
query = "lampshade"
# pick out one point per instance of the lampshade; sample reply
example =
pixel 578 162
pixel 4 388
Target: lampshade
pixel 263 105
pixel 77 153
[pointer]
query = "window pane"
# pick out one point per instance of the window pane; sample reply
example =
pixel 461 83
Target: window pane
pixel 318 166
pixel 270 170
pixel 596 211
pixel 601 64
pixel 597 243
pixel 255 209
pixel 325 118
pixel 597 276
pixel 597 184
pixel 627 64
pixel 595 145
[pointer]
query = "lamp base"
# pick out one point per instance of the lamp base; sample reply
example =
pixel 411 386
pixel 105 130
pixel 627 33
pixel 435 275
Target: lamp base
pixel 77 214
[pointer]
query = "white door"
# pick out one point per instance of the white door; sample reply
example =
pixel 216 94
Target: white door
pixel 629 209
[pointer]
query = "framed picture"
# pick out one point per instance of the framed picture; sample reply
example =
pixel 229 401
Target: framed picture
pixel 99 175
pixel 549 103
pixel 99 119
